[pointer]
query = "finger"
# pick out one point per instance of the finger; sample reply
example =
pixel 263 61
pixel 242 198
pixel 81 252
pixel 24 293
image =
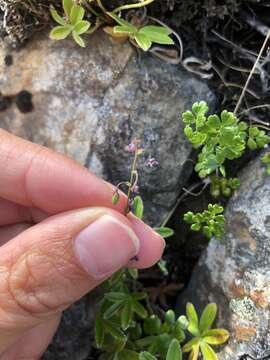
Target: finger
pixel 12 213
pixel 35 176
pixel 151 245
pixel 54 263
pixel 9 232
pixel 33 343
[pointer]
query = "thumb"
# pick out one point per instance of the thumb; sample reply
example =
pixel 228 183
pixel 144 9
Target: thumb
pixel 49 266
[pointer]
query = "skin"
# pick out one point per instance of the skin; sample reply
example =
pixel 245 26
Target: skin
pixel 46 199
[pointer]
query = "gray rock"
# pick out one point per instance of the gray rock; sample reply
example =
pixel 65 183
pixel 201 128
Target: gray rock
pixel 235 272
pixel 90 103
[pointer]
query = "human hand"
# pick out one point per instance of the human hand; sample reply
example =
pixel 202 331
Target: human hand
pixel 59 239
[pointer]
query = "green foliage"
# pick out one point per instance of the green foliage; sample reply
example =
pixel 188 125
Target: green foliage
pixel 124 325
pixel 257 138
pixel 223 186
pixel 125 328
pixel 72 23
pixel 164 232
pixel 210 221
pixel 266 160
pixel 144 36
pixel 219 138
pixel 138 207
pixel 203 335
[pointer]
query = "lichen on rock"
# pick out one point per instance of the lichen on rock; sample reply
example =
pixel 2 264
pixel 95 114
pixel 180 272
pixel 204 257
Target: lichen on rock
pixel 235 272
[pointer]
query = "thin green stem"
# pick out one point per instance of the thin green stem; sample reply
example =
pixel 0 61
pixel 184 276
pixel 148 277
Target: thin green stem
pixel 132 6
pixel 133 176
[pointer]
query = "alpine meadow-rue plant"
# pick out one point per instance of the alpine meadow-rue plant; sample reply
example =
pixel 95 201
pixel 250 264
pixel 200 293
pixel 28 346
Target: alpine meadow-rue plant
pixel 219 139
pixel 127 327
pixel 210 221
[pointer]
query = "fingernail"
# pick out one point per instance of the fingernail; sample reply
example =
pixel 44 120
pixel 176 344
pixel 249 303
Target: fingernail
pixel 105 246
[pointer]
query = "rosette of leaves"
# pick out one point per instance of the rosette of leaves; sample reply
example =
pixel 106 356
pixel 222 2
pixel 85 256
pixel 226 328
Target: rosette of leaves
pixel 72 23
pixel 144 36
pixel 210 221
pixel 220 138
pixel 223 186
pixel 203 336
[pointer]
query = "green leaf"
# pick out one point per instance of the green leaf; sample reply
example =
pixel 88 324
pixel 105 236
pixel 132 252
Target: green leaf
pixel 76 14
pixel 200 108
pixel 208 317
pixel 192 316
pixel 157 34
pixel 128 355
pixel 67 6
pixel 123 22
pixel 57 17
pixel 99 331
pixel 116 296
pixel 190 344
pixel 147 356
pixel 174 351
pixel 195 352
pixel 178 332
pixel 126 315
pixel 170 317
pixel 207 351
pixel 115 198
pixel 216 336
pixel 114 330
pixel 252 144
pixel 78 39
pixel 112 310
pixel 60 32
pixel 188 118
pixel 138 207
pixel 123 30
pixel 183 321
pixel 143 41
pixel 151 325
pixel 139 296
pixel 139 309
pixel 134 273
pixel 164 232
pixel 82 26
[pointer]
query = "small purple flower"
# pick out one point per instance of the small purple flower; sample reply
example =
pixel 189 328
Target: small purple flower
pixel 131 148
pixel 135 189
pixel 151 162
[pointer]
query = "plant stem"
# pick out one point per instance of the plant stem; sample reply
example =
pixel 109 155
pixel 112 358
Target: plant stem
pixel 133 6
pixel 251 73
pixel 133 176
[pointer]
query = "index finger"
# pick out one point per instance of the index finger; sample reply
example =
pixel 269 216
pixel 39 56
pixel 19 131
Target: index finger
pixel 35 176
